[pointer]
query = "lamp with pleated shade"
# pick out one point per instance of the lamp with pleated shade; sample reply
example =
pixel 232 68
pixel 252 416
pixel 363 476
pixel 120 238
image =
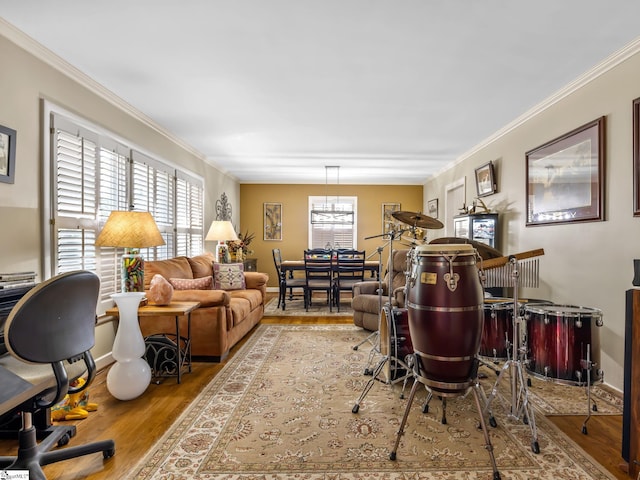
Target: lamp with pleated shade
pixel 131 231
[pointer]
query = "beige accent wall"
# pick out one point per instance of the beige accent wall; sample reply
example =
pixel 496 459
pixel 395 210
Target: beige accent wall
pixel 585 264
pixel 295 205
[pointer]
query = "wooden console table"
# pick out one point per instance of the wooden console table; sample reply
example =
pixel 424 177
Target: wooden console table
pixel 176 309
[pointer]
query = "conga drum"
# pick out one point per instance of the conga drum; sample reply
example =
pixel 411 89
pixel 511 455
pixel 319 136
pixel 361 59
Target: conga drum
pixel 446 314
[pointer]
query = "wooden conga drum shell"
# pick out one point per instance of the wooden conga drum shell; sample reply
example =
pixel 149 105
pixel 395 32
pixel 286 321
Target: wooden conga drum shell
pixel 445 319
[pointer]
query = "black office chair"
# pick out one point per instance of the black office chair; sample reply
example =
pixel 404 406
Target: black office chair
pixel 318 269
pixel 349 271
pixel 54 323
pixel 285 283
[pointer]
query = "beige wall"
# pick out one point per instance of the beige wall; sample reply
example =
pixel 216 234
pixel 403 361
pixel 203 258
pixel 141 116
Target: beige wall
pixel 585 264
pixel 294 199
pixel 27 84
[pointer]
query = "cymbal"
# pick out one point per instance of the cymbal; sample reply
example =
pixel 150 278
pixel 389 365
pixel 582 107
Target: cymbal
pixel 485 251
pixel 417 219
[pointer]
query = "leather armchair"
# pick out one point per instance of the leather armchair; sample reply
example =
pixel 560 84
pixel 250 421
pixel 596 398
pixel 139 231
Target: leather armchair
pixel 366 300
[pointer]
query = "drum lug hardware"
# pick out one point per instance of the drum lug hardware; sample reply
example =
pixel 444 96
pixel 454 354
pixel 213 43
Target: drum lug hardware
pixel 546 320
pixel 579 323
pixel 452 281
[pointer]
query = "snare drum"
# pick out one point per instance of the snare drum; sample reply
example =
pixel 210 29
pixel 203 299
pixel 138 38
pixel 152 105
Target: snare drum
pixel 497 332
pixel 395 341
pixel 557 340
pixel 445 307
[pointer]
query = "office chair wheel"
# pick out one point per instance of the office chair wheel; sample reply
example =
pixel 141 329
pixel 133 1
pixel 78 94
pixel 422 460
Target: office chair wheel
pixel 108 453
pixel 64 439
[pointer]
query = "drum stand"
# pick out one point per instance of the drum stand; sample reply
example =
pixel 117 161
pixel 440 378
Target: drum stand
pixel 450 390
pixel 385 358
pixel 520 406
pixel 373 338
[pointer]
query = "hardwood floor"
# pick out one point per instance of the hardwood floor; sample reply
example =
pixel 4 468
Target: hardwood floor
pixel 137 424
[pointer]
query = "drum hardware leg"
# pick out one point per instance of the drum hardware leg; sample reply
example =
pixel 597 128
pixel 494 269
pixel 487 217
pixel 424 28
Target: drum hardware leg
pixel 477 393
pixel 372 339
pixel 587 365
pixel 403 423
pixel 388 381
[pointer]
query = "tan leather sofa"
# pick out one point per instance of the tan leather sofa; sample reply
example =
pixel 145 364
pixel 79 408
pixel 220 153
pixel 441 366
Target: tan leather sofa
pixel 366 301
pixel 224 316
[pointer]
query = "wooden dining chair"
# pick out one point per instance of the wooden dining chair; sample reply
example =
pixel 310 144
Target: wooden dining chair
pixel 285 282
pixel 318 269
pixel 349 271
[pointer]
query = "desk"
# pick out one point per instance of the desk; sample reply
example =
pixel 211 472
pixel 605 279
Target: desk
pixel 177 309
pixel 293 265
pixel 16 390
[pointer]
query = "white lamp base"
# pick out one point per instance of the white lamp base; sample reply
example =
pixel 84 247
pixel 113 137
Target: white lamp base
pixel 130 376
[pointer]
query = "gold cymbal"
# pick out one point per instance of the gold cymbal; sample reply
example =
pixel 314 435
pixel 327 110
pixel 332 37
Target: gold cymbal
pixel 417 219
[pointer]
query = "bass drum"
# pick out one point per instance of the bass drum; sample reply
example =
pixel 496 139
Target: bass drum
pixel 395 341
pixel 445 307
pixel 558 337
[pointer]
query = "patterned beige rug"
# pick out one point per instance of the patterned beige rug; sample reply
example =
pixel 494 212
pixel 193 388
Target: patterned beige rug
pixel 295 308
pixel 282 408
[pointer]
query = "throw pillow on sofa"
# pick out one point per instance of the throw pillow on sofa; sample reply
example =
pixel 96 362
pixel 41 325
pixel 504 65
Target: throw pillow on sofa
pixel 202 283
pixel 228 276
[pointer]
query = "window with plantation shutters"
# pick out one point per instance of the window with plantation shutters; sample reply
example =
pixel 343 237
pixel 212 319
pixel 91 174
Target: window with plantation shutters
pixel 89 175
pixel 332 222
pixel 189 215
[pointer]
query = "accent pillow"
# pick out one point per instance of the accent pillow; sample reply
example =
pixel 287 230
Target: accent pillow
pixel 160 291
pixel 228 276
pixel 202 283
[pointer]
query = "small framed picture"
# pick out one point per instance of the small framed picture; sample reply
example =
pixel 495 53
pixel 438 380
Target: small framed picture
pixel 485 180
pixel 7 154
pixel 432 208
pixel 388 222
pixel 272 221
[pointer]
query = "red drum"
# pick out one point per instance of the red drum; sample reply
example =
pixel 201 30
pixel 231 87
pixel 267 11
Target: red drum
pixel 445 307
pixel 557 341
pixel 395 341
pixel 497 332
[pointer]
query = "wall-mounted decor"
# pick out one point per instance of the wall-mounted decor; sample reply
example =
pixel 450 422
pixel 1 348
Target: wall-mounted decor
pixel 388 222
pixel 636 157
pixel 432 208
pixel 223 208
pixel 565 177
pixel 486 180
pixel 272 221
pixel 7 154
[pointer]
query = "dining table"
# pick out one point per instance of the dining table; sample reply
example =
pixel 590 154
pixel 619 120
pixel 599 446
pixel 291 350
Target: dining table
pixel 290 266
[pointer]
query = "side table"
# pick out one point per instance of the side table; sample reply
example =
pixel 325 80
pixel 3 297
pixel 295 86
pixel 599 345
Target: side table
pixel 181 345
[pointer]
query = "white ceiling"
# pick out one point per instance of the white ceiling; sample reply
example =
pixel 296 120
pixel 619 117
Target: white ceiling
pixel 272 91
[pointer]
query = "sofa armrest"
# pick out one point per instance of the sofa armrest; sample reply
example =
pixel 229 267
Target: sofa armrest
pixel 207 298
pixel 368 288
pixel 257 281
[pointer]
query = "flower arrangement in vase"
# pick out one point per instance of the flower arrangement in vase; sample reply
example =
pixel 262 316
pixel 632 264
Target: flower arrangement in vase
pixel 239 249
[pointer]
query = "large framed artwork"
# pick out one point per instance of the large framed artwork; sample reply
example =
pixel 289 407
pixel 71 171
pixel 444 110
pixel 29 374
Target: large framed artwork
pixel 388 222
pixel 565 177
pixel 7 154
pixel 636 157
pixel 272 221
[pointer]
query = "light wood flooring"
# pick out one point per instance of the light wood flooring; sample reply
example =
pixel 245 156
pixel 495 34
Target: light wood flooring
pixel 137 424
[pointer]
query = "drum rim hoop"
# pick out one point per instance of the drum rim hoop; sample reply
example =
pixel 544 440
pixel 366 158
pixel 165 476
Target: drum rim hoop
pixel 556 309
pixel 464 248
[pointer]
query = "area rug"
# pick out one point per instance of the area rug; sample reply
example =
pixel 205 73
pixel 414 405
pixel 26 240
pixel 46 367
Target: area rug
pixel 282 408
pixel 295 308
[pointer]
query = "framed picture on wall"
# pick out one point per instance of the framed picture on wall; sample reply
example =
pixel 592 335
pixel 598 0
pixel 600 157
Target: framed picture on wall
pixel 388 222
pixel 272 221
pixel 565 177
pixel 636 157
pixel 432 208
pixel 486 180
pixel 7 154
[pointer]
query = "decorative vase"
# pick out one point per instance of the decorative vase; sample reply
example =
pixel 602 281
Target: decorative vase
pixel 239 256
pixel 130 376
